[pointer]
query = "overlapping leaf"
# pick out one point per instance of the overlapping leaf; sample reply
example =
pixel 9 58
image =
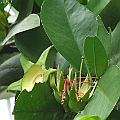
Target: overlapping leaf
pixel 38 104
pixel 106 95
pixel 10 71
pixel 96 55
pixel 67 23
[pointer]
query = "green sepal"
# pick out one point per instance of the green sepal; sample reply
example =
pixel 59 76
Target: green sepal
pixel 47 73
pixel 43 57
pixel 52 82
pixel 86 95
pixel 76 106
pixel 61 82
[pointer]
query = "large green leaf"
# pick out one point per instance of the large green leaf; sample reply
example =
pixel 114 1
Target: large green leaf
pixel 97 7
pixel 29 22
pixel 39 104
pixel 95 55
pixel 62 62
pixel 10 71
pixel 106 95
pixel 115 41
pixel 115 46
pixel 32 43
pixel 110 15
pixel 24 7
pixel 67 23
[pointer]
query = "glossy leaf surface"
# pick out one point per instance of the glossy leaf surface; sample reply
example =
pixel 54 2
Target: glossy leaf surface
pixel 32 43
pixel 106 95
pixel 97 7
pixel 29 22
pixel 10 71
pixel 95 55
pixel 67 23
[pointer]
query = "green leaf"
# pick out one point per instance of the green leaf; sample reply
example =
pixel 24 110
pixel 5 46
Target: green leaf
pixel 24 7
pixel 106 94
pixel 28 23
pixel 62 62
pixel 10 71
pixel 6 56
pixel 115 46
pixel 110 15
pixel 79 117
pixel 104 36
pixel 32 43
pixel 39 104
pixel 39 2
pixel 115 114
pixel 67 23
pixel 97 7
pixel 95 55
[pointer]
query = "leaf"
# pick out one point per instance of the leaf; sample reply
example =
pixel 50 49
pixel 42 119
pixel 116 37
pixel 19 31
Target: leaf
pixel 38 104
pixel 115 114
pixel 97 7
pixel 10 71
pixel 110 16
pixel 62 62
pixel 106 94
pixel 115 46
pixel 6 56
pixel 67 23
pixel 104 36
pixel 32 43
pixel 95 55
pixel 39 2
pixel 24 7
pixel 87 118
pixel 28 23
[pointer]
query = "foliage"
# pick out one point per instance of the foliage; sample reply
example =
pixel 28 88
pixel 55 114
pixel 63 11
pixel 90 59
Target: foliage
pixel 61 58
